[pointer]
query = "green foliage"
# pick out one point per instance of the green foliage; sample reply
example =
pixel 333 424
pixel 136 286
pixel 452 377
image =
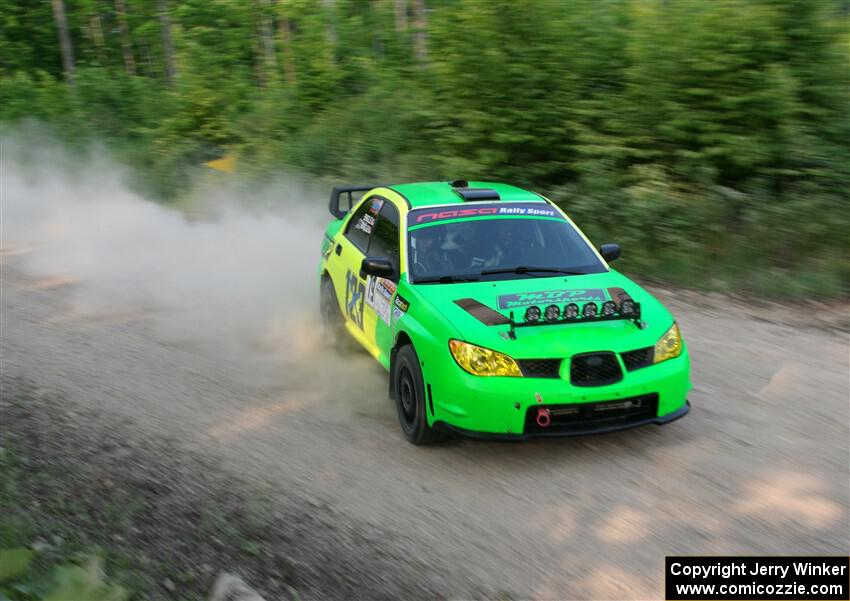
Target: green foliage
pixel 83 583
pixel 68 581
pixel 709 137
pixel 14 562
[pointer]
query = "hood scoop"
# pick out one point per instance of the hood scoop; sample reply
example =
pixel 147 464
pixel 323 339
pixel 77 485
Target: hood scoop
pixel 482 312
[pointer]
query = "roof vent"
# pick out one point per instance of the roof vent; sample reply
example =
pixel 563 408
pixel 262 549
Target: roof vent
pixel 469 194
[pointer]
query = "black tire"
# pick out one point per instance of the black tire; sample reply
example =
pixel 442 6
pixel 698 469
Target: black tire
pixel 410 398
pixel 330 313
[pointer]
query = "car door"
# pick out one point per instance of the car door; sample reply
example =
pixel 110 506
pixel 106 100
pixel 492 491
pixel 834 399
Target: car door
pixel 350 247
pixel 380 292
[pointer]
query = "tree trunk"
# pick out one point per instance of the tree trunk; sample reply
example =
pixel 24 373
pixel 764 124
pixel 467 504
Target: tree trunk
pixel 149 62
pixel 420 25
pixel 259 63
pixel 64 40
pixel 167 43
pixel 330 29
pixel 376 7
pixel 267 40
pixel 96 34
pixel 126 42
pixel 400 15
pixel 284 31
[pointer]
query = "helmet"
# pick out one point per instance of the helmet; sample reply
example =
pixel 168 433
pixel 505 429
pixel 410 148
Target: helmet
pixel 430 234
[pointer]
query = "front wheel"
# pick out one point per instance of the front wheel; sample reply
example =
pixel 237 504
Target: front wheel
pixel 410 398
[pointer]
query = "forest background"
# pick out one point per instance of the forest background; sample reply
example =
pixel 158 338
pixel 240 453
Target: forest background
pixel 710 138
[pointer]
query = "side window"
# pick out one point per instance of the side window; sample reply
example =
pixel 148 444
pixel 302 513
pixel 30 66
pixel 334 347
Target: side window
pixel 360 226
pixel 385 239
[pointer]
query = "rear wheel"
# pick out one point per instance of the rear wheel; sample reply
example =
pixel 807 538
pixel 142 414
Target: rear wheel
pixel 410 398
pixel 331 316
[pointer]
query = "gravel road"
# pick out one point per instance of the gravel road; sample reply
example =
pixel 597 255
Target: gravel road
pixel 760 466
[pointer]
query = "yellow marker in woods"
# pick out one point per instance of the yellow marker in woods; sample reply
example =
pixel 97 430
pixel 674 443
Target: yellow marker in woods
pixel 226 163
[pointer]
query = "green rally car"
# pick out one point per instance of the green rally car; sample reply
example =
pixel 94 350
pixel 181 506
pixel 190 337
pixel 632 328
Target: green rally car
pixel 495 316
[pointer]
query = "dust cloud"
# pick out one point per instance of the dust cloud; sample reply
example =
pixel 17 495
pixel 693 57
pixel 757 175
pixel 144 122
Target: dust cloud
pixel 228 275
pixel 238 268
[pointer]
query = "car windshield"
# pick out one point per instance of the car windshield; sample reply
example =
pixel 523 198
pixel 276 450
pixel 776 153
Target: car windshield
pixel 497 248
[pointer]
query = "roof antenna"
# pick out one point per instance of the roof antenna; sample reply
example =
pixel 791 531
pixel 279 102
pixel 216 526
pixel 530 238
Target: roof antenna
pixel 460 183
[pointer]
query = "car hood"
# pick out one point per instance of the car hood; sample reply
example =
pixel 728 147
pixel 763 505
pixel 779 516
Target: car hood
pixel 549 341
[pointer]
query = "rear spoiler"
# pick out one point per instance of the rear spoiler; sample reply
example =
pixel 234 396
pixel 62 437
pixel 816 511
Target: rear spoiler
pixel 347 195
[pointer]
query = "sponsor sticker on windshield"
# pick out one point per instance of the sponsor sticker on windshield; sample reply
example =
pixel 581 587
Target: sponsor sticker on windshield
pixel 377 203
pixel 365 223
pixel 533 209
pixel 543 297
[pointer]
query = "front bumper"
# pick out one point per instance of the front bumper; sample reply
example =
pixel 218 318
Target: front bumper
pixel 659 421
pixel 497 407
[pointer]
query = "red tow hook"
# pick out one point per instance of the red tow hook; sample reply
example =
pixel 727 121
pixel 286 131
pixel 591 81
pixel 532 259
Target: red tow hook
pixel 544 418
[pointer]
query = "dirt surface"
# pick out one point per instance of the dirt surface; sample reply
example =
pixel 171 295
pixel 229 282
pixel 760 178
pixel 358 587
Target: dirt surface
pixel 170 520
pixel 760 466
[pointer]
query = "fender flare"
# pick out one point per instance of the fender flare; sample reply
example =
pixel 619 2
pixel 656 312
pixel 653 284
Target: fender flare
pixel 402 339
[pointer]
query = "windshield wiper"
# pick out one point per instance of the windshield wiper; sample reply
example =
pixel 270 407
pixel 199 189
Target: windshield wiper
pixel 527 269
pixel 447 279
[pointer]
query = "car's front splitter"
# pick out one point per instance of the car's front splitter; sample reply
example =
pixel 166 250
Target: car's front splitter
pixel 659 421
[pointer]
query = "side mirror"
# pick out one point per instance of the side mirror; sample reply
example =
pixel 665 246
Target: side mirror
pixel 610 252
pixel 379 267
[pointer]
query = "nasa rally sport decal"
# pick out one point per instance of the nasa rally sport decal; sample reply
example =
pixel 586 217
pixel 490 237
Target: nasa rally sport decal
pixel 528 209
pixel 544 297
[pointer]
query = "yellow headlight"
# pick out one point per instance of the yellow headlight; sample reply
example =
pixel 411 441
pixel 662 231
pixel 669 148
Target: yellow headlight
pixel 480 361
pixel 669 345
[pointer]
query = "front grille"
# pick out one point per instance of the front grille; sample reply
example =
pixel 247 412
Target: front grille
pixel 593 417
pixel 641 357
pixel 595 369
pixel 540 368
